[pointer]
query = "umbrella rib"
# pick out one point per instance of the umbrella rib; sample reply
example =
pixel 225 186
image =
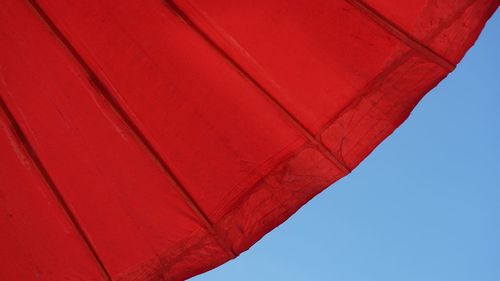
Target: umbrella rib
pixel 402 35
pixel 23 140
pixel 136 131
pixel 277 104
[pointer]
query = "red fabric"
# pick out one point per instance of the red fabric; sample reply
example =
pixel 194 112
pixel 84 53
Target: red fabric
pixel 155 140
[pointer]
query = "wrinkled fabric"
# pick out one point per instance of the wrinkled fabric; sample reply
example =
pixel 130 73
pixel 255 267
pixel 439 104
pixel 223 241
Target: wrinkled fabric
pixel 157 139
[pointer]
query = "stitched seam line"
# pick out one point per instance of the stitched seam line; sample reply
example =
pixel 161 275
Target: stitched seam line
pixel 106 93
pixel 291 118
pixel 402 35
pixel 23 140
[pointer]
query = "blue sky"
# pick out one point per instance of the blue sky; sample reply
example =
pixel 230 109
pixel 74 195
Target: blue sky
pixel 425 205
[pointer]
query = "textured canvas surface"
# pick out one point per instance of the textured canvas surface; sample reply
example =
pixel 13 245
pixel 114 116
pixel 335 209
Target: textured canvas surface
pixel 156 140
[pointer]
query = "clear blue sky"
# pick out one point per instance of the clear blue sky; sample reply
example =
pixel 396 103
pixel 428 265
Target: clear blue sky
pixel 425 205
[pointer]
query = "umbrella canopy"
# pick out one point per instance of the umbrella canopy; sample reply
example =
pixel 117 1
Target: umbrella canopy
pixel 155 140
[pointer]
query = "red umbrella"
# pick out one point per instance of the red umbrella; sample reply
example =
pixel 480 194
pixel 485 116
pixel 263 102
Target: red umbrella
pixel 155 140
